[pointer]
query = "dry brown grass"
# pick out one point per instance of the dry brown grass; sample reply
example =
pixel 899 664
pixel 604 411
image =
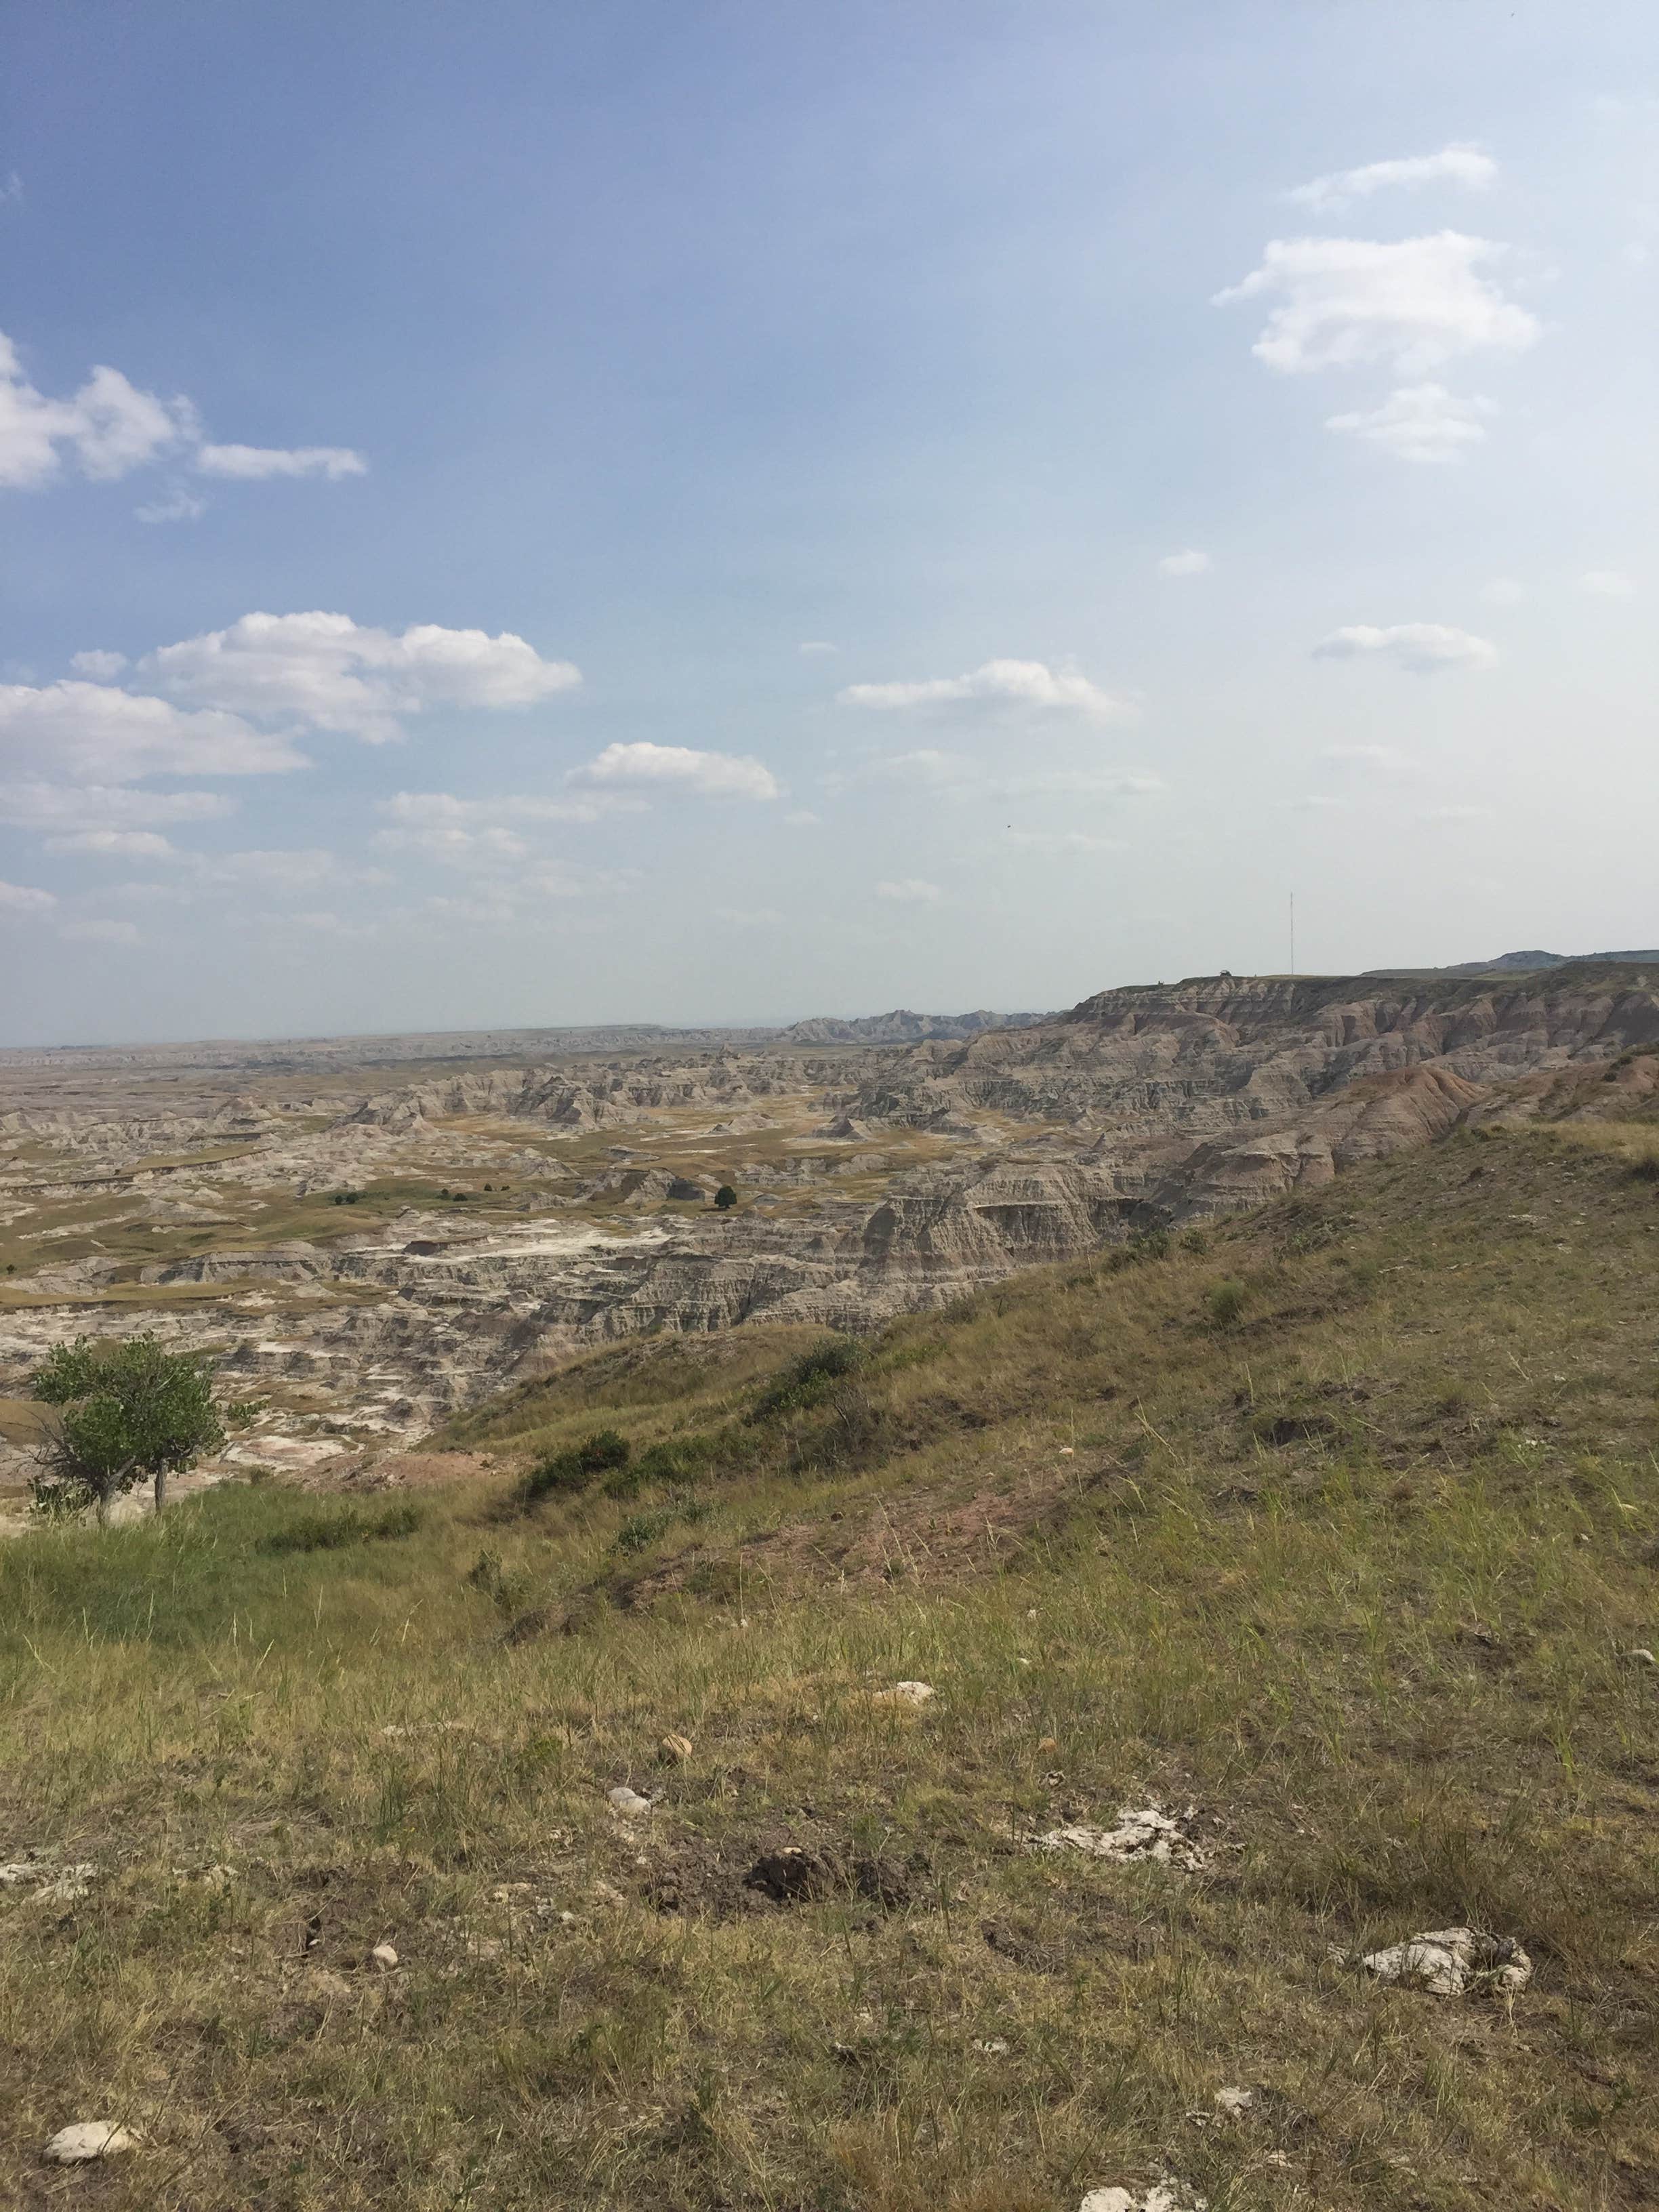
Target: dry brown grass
pixel 1353 1575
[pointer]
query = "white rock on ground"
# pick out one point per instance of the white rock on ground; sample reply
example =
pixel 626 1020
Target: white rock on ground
pixel 1234 2104
pixel 903 1693
pixel 1448 1962
pixel 1157 2197
pixel 89 2139
pixel 384 1957
pixel 1147 1833
pixel 626 1803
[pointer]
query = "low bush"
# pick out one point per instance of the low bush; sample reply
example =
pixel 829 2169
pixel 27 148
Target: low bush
pixel 576 1468
pixel 808 1380
pixel 1225 1302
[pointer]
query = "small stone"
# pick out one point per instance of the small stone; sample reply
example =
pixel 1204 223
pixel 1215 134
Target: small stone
pixel 1234 2104
pixel 910 1694
pixel 384 1957
pixel 1145 1833
pixel 1450 1962
pixel 626 1803
pixel 89 2139
pixel 1639 1656
pixel 677 1747
pixel 994 2046
pixel 1159 2196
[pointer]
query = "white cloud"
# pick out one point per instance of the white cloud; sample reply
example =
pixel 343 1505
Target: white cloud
pixel 1452 165
pixel 255 463
pixel 111 428
pixel 1608 584
pixel 22 898
pixel 816 645
pixel 910 890
pixel 64 808
pixel 711 775
pixel 1192 563
pixel 1066 841
pixel 1419 422
pixel 1416 302
pixel 1502 591
pixel 996 684
pixel 98 668
pixel 179 505
pixel 335 675
pixel 99 932
pixel 116 844
pixel 1421 648
pixel 91 730
pixel 109 425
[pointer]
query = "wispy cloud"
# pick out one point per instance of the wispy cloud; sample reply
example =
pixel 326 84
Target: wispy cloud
pixel 1457 164
pixel 1419 422
pixel 706 774
pixel 1189 563
pixel 996 684
pixel 1420 648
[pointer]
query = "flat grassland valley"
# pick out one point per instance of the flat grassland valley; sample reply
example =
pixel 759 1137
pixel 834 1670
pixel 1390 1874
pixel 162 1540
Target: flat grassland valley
pixel 1086 1640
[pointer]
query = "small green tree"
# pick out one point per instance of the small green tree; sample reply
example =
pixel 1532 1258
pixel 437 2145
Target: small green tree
pixel 125 1412
pixel 726 1198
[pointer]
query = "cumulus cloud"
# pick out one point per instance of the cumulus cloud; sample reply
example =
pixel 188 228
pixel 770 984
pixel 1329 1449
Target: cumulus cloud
pixel 1456 164
pixel 995 685
pixel 1608 584
pixel 1416 302
pixel 93 731
pixel 98 668
pixel 110 427
pixel 94 932
pixel 330 672
pixel 1419 422
pixel 1421 648
pixel 910 891
pixel 1192 563
pixel 710 775
pixel 23 898
pixel 255 463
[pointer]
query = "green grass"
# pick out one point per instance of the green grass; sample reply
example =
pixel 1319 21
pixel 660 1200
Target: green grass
pixel 1352 1573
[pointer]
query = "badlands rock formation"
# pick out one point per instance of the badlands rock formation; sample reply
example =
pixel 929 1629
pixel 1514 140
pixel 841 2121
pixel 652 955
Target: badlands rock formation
pixel 378 1258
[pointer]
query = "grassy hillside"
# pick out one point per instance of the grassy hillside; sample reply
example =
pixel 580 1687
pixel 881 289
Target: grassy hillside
pixel 1335 1527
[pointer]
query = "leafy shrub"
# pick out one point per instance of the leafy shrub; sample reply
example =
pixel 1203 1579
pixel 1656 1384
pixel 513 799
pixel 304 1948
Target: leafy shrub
pixel 807 1381
pixel 1225 1301
pixel 333 1530
pixel 566 1474
pixel 726 1198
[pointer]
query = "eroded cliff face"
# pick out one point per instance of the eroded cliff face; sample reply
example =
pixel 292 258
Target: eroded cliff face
pixel 874 1182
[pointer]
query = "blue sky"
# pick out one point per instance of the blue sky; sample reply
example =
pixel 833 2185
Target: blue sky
pixel 542 513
